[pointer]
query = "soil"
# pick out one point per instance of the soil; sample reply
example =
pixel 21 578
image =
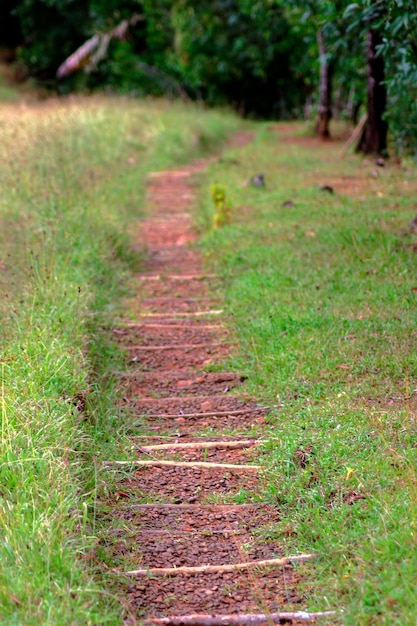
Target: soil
pixel 179 384
pixel 214 593
pixel 180 485
pixel 175 516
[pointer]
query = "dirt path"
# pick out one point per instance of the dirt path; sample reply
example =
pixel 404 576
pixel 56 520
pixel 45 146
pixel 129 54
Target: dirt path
pixel 183 544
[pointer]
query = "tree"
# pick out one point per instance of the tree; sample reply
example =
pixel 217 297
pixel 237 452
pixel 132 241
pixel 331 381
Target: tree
pixel 374 138
pixel 322 22
pixel 368 20
pixel 325 89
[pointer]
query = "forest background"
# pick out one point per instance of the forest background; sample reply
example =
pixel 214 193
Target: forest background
pixel 267 59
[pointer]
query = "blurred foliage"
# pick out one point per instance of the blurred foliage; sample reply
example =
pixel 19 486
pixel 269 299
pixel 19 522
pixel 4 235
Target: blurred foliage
pixel 51 30
pixel 258 56
pixel 240 52
pixel 400 50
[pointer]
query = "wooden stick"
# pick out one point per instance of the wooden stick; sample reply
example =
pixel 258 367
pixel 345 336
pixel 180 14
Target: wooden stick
pixel 209 569
pixel 178 298
pixel 166 220
pixel 170 247
pixel 244 443
pixel 155 436
pixel 179 314
pixel 170 174
pixel 179 346
pixel 176 276
pixel 176 326
pixel 156 463
pixel 200 439
pixel 187 533
pixel 212 413
pixel 195 507
pixel 183 374
pixel 239 619
pixel 173 217
pixel 357 131
pixel 169 253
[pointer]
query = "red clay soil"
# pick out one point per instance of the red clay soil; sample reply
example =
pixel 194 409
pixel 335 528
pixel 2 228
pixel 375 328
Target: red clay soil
pixel 178 384
pixel 178 515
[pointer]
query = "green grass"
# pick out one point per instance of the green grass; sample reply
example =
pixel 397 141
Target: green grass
pixel 72 182
pixel 322 296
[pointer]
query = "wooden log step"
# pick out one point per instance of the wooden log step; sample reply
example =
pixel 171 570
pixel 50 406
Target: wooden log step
pixel 171 174
pixel 195 507
pixel 180 314
pixel 173 246
pixel 253 409
pixel 179 299
pixel 187 533
pixel 178 346
pixel 174 325
pixel 199 439
pixel 199 375
pixel 176 276
pixel 169 219
pixel 185 464
pixel 239 619
pixel 209 569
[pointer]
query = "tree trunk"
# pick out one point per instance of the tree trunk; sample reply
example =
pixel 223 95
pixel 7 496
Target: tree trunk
pixel 326 77
pixel 374 138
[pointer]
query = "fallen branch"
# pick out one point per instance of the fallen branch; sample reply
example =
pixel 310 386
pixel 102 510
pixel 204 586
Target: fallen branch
pixel 240 619
pixel 172 174
pixel 178 298
pixel 196 507
pixel 179 346
pixel 179 314
pixel 176 276
pixel 196 438
pixel 94 49
pixel 211 569
pixel 156 436
pixel 219 377
pixel 170 326
pixel 357 131
pixel 163 219
pixel 188 533
pixel 176 218
pixel 213 413
pixel 246 443
pixel 246 468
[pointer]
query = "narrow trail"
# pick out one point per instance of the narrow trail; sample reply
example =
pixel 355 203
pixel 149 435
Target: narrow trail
pixel 187 552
